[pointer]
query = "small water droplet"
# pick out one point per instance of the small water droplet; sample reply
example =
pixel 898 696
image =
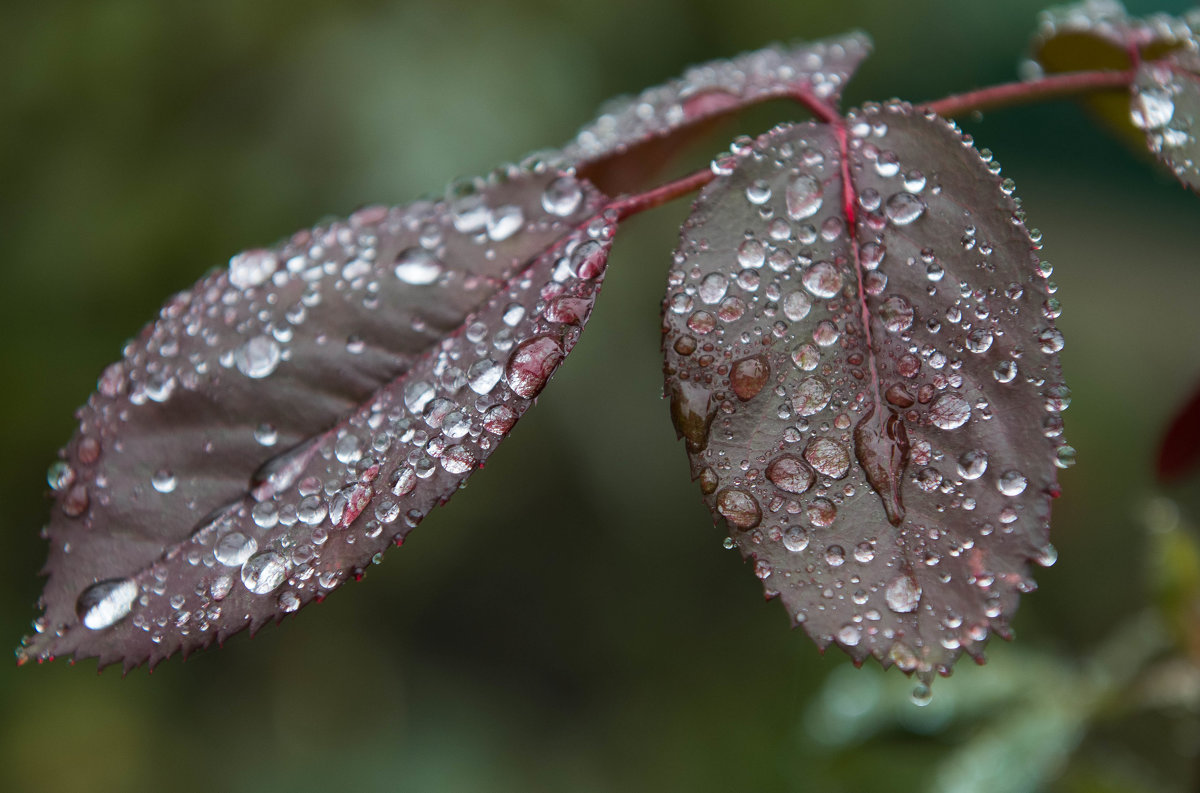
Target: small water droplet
pixel 417 266
pixel 972 463
pixel 234 549
pixel 795 539
pixel 258 357
pixel 163 480
pixel 562 196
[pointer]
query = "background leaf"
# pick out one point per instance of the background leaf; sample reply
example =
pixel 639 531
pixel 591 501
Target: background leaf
pixel 289 418
pixel 635 134
pixel 861 355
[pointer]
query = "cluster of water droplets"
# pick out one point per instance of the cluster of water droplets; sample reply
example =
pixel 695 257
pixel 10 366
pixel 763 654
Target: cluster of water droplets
pixel 420 335
pixel 771 380
pixel 821 68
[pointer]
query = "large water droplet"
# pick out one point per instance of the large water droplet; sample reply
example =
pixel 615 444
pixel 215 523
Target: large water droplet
pixel 234 549
pixel 823 280
pixel 713 288
pixel 795 539
pixel 417 266
pixel 505 221
pixel 562 196
pixel 252 268
pixel 972 463
pixel 106 603
pixel 531 364
pixel 263 573
pixel 811 396
pixel 1012 483
pixel 258 357
pixel 949 411
pixel 739 508
pixel 902 594
pixel 804 197
pixel 790 474
pixel 748 376
pixel 896 314
pixel 903 208
pixel 828 457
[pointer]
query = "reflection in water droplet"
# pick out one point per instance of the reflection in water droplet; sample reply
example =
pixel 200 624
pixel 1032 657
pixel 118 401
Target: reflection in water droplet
pixel 823 280
pixel 896 314
pixel 795 539
pixel 796 306
pixel 264 573
pixel 106 603
pixel 972 463
pixel 811 396
pixel 828 457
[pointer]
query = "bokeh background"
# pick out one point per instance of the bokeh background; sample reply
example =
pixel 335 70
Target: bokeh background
pixel 571 621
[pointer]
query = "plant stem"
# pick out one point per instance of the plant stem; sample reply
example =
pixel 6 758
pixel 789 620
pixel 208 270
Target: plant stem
pixel 996 96
pixel 1052 87
pixel 633 204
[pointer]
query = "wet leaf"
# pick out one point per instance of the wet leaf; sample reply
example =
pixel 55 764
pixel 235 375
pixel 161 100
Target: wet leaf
pixel 292 416
pixel 1164 99
pixel 819 70
pixel 861 353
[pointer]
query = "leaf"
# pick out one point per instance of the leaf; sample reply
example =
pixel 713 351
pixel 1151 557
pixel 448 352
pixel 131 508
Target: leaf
pixel 817 71
pixel 287 419
pixel 1179 449
pixel 861 355
pixel 1164 100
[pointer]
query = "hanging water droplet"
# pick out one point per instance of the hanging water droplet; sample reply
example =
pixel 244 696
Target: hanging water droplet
pixel 105 603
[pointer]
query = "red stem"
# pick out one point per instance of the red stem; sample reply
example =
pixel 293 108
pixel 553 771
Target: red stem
pixel 1052 87
pixel 633 204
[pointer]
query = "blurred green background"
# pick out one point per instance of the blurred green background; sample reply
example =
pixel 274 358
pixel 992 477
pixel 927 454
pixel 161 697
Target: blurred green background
pixel 571 622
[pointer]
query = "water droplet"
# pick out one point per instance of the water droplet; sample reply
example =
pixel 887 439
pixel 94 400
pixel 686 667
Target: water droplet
pixel 288 602
pixel 806 357
pixel 252 268
pixel 1005 372
pixel 835 556
pixel 503 222
pixel 258 357
pixel 417 395
pixel 949 411
pixel 804 197
pixel 403 481
pixel 713 288
pixel 347 449
pixel 896 314
pixel 796 306
pixel 311 510
pixel 417 266
pixel 348 503
pixel 562 196
pixel 498 420
pixel 821 513
pixel 903 208
pixel 1152 108
pixel 739 508
pixel 828 457
pixel 758 192
pixel 531 364
pixel 811 396
pixel 1051 340
pixel 234 549
pixel 849 635
pixel 1012 483
pixel 748 376
pixel 264 573
pixel 823 280
pixel 795 539
pixel 458 460
pixel 902 594
pixel 106 603
pixel 972 463
pixel 163 480
pixel 790 474
pixel 266 434
pixel 751 254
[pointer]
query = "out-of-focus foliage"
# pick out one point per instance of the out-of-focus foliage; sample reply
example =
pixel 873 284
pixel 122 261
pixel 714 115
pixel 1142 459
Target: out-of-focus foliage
pixel 145 142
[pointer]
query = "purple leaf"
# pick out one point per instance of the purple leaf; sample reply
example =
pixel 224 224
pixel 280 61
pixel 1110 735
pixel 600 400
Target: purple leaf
pixel 817 71
pixel 1164 98
pixel 287 419
pixel 861 355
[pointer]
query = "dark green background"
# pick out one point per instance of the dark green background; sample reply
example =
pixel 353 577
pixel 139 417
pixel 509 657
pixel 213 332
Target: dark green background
pixel 571 622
